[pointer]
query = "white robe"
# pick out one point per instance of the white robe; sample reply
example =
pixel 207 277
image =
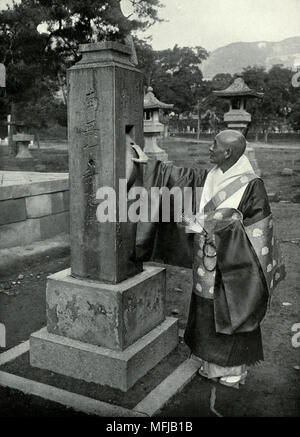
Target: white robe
pixel 215 181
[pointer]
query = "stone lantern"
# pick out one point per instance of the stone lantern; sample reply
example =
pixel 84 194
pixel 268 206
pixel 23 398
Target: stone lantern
pixel 22 140
pixel 237 117
pixel 238 93
pixel 153 129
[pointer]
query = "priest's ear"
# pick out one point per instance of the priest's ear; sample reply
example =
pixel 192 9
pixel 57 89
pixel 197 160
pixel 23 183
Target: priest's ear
pixel 228 153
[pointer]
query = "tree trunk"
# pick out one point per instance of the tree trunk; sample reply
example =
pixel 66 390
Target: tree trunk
pixel 12 144
pixel 266 135
pixel 62 87
pixel 198 125
pixel 37 136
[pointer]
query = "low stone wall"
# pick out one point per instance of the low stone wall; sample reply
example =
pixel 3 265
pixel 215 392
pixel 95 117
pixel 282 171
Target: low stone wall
pixel 33 207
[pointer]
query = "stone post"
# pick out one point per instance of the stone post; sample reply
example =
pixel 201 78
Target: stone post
pixel 2 76
pixel 11 131
pixel 105 316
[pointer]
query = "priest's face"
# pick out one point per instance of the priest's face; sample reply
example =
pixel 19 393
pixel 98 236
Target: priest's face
pixel 217 153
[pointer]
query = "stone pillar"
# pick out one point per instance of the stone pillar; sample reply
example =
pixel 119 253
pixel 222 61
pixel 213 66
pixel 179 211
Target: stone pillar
pixel 166 130
pixel 105 103
pixel 105 316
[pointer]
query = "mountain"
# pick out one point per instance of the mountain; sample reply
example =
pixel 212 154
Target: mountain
pixel 234 57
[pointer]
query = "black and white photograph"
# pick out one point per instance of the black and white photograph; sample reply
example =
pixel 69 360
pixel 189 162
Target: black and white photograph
pixel 149 211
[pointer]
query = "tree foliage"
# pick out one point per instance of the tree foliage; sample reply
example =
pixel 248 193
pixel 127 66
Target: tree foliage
pixel 278 105
pixel 39 40
pixel 174 73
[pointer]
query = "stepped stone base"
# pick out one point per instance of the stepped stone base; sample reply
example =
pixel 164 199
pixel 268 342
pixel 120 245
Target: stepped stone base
pixel 117 369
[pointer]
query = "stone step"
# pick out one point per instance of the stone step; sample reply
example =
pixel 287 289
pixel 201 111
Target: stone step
pixel 117 369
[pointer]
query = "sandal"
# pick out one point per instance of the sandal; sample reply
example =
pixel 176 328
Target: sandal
pixel 233 381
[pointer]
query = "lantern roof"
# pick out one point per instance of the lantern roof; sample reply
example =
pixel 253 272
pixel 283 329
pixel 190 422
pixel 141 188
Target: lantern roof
pixel 238 89
pixel 151 102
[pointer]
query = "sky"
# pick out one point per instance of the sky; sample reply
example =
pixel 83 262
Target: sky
pixel 215 23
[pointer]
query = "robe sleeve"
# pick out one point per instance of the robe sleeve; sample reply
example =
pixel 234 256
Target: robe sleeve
pixel 254 204
pixel 167 242
pixel 241 292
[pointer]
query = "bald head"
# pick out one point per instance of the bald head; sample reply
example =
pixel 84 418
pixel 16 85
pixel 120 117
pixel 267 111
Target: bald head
pixel 228 147
pixel 234 140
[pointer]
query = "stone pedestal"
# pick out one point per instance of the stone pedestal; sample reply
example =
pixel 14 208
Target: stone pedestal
pixel 107 315
pixel 105 333
pixel 250 153
pixel 152 132
pixel 23 141
pixel 152 150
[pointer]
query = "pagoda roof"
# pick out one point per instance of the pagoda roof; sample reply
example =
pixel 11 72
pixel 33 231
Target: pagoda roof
pixel 238 88
pixel 151 102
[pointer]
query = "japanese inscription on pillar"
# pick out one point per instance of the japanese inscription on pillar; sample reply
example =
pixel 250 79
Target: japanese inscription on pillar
pixel 105 105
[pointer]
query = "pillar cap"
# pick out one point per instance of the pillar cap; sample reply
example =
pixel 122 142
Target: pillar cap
pixel 106 45
pixel 23 137
pixel 108 51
